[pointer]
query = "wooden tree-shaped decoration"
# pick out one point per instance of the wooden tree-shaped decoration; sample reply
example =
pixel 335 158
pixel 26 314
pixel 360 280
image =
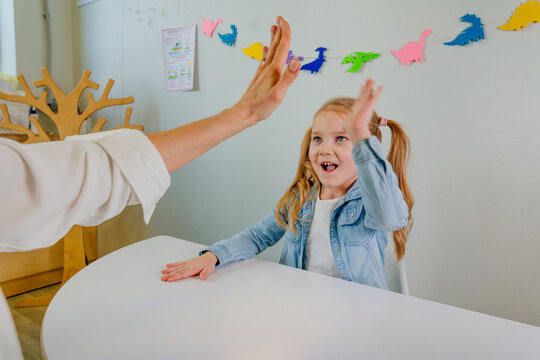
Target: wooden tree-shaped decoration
pixel 68 121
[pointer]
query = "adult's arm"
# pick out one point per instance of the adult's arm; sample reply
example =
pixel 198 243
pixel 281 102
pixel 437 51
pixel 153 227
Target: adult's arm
pixel 47 188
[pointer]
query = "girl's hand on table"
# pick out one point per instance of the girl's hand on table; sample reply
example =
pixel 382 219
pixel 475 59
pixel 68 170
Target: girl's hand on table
pixel 202 265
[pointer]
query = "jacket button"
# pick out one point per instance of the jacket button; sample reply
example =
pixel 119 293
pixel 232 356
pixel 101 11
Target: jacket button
pixel 352 214
pixel 344 274
pixel 332 225
pixel 305 227
pixel 336 251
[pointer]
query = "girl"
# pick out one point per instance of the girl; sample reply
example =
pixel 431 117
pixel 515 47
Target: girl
pixel 344 198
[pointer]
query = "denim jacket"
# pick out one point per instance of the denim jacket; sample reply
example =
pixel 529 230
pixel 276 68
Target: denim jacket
pixel 373 206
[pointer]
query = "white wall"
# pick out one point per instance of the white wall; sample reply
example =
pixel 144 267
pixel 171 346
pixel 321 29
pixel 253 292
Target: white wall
pixel 472 114
pixel 31 41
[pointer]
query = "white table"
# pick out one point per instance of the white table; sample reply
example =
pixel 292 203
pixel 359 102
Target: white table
pixel 118 308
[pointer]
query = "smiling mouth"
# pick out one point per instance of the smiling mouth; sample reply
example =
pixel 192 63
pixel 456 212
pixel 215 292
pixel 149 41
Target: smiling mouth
pixel 329 166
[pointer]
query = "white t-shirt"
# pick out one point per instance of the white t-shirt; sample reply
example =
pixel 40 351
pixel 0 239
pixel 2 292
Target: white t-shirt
pixel 319 256
pixel 47 188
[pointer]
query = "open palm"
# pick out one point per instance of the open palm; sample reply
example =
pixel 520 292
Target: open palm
pixel 356 124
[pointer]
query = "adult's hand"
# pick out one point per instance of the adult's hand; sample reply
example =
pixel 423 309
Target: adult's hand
pixel 271 81
pixel 182 145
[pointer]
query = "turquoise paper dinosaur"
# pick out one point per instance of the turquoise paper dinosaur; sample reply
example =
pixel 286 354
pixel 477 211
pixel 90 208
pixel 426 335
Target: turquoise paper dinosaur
pixel 229 39
pixel 474 32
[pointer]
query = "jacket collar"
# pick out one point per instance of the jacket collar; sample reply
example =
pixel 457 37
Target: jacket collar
pixel 352 194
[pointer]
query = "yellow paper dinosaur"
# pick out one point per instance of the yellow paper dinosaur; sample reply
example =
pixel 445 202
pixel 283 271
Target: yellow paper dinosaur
pixel 524 14
pixel 255 51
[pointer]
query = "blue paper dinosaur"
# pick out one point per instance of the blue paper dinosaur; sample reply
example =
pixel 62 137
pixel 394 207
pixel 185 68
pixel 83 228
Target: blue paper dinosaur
pixel 474 32
pixel 229 39
pixel 316 64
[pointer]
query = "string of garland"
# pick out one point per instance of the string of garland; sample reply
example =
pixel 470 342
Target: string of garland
pixel 523 15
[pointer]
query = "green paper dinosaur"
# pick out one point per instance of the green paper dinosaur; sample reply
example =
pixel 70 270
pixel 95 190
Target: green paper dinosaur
pixel 359 59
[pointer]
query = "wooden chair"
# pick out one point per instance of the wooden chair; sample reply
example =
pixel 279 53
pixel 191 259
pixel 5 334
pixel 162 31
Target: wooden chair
pixel 25 271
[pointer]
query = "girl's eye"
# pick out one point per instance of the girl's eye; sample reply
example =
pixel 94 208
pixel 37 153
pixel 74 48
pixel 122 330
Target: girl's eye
pixel 317 139
pixel 341 139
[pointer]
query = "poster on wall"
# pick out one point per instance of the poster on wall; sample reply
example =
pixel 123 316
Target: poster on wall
pixel 179 56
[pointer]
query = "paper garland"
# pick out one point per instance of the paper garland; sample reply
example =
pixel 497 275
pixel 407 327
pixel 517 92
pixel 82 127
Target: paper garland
pixel 524 14
pixel 474 32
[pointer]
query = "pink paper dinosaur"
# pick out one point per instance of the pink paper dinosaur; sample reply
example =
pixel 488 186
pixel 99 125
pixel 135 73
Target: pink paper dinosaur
pixel 412 51
pixel 208 26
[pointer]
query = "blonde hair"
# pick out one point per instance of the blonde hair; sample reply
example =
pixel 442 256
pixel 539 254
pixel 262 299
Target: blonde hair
pixel 299 192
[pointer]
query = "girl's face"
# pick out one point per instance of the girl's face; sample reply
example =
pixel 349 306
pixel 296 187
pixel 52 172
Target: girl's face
pixel 330 153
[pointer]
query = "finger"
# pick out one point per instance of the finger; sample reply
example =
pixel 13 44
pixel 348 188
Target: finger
pixel 205 272
pixel 366 90
pixel 179 276
pixel 259 69
pixel 265 53
pixel 182 274
pixel 165 277
pixel 276 40
pixel 273 30
pixel 377 94
pixel 372 101
pixel 172 269
pixel 175 264
pixel 282 50
pixel 287 78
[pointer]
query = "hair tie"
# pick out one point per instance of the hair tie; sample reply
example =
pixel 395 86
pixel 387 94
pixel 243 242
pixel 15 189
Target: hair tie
pixel 383 121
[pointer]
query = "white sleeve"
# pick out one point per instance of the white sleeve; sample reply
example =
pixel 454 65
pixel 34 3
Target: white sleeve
pixel 47 188
pixel 9 343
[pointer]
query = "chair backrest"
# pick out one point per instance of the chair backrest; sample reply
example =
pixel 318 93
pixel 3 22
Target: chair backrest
pixel 395 272
pixel 18 113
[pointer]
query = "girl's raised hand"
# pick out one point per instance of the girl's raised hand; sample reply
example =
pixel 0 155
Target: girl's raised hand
pixel 202 265
pixel 271 81
pixel 356 124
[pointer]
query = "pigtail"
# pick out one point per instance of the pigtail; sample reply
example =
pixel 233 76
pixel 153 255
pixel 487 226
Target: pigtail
pixel 299 192
pixel 398 158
